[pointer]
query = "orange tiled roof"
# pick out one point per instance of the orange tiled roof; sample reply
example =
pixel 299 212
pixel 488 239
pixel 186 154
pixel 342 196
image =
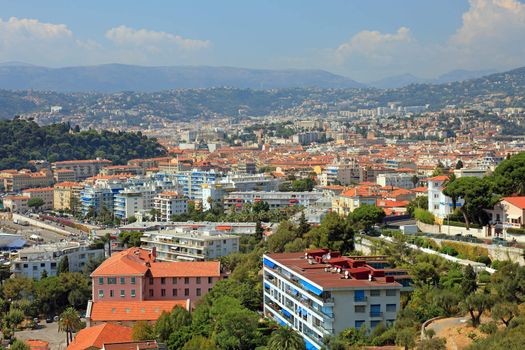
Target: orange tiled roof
pixel 147 310
pixel 68 184
pixel 438 178
pixel 134 345
pixel 98 335
pixel 41 189
pixel 131 261
pixel 420 189
pixel 186 269
pixel 516 201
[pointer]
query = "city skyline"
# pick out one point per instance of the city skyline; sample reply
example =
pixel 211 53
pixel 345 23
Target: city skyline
pixel 363 41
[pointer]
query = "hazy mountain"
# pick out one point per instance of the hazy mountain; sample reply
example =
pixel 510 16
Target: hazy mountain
pixel 402 80
pixel 118 77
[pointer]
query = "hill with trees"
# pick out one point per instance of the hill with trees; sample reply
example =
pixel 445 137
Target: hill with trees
pixel 24 140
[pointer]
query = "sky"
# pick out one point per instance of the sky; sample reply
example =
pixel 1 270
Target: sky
pixel 363 40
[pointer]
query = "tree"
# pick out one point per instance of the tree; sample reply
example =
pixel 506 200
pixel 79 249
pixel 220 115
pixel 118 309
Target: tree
pixel 199 342
pixel 418 202
pixel 130 238
pixel 367 215
pixel 70 323
pixel 505 312
pixel 414 180
pixel 285 233
pixel 509 176
pixel 468 284
pixel 63 265
pixel 259 230
pixel 459 164
pixel 260 206
pixel 142 330
pixel 476 304
pixel 180 317
pixel 334 233
pixel 285 338
pixel 35 203
pixel 405 338
pixel 432 344
pixel 15 316
pixel 163 326
pixel 303 226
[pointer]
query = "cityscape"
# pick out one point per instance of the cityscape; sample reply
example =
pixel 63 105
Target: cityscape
pixel 167 182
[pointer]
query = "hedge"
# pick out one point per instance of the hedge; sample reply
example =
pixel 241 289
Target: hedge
pixel 469 251
pixel 516 231
pixel 461 224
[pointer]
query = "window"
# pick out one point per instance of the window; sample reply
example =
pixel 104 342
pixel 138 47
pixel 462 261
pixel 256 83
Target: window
pixel 132 280
pixel 198 292
pixel 151 292
pixel 122 293
pixel 186 280
pixel 374 324
pixel 112 280
pixel 101 280
pixel 111 293
pixel 163 292
pixel 122 280
pixel 359 324
pixel 375 310
pixel 163 280
pixel 359 295
pixel 186 292
pixel 390 307
pixel 100 293
pixel 210 280
pixel 359 308
pixel 174 280
pixel 174 292
pixel 133 293
pixel 375 293
pixel 151 280
pixel 198 279
pixel 391 292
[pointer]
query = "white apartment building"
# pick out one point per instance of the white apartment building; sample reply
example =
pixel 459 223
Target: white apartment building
pixel 82 168
pixel 187 244
pixel 342 173
pixel 234 228
pixel 274 199
pixel 33 261
pixel 439 204
pixel 169 204
pixel 319 293
pixel 401 180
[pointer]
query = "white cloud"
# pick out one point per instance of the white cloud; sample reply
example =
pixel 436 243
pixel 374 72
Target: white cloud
pixel 126 36
pixel 491 36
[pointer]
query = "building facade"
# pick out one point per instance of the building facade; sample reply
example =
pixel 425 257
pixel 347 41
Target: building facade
pixel 82 168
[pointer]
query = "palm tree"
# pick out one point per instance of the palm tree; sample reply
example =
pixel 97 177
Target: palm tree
pixel 70 323
pixel 285 338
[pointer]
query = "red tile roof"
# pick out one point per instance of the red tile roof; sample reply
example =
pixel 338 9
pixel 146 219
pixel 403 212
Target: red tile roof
pixel 516 201
pixel 135 345
pixel 98 335
pixel 147 310
pixel 186 269
pixel 438 178
pixel 131 261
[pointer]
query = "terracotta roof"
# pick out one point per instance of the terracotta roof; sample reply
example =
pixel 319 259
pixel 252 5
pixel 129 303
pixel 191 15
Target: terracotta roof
pixel 438 178
pixel 186 269
pixel 68 184
pixel 35 344
pixel 41 189
pixel 134 345
pixel 516 201
pixel 147 310
pixel 420 189
pixel 98 335
pixel 83 161
pixel 131 261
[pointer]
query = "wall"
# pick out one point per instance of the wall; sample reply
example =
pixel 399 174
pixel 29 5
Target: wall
pixel 40 224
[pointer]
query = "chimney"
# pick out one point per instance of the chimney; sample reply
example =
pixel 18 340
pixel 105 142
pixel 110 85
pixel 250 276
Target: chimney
pixel 154 253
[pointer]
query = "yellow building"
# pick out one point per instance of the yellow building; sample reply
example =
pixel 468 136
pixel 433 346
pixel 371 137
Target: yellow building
pixel 353 198
pixel 64 193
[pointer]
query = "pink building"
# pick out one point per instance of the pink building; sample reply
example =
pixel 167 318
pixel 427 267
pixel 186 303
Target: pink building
pixel 135 275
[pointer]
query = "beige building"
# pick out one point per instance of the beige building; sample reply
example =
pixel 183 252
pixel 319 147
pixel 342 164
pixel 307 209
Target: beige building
pixel 82 168
pixel 64 175
pixel 45 193
pixel 353 198
pixel 63 194
pixel 16 204
pixel 14 181
pixel 170 203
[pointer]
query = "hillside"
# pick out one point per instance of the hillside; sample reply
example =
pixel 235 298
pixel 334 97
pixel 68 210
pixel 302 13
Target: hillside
pixel 24 140
pixel 119 77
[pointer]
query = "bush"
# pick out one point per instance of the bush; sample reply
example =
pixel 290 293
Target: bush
pixel 484 260
pixel 484 277
pixel 449 251
pixel 516 231
pixel 461 224
pixel 424 216
pixel 470 252
pixel 489 328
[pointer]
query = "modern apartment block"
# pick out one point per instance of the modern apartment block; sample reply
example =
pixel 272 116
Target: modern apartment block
pixel 65 194
pixel 191 182
pixel 170 203
pixel 100 195
pixel 134 199
pixel 438 203
pixel 401 180
pixel 319 293
pixel 188 244
pixel 274 199
pixel 82 168
pixel 234 228
pixel 33 261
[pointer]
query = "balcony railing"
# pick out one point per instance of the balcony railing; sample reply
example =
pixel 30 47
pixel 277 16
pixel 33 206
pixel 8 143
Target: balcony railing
pixel 376 314
pixel 360 299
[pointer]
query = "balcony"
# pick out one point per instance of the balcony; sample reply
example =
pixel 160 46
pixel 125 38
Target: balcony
pixel 376 314
pixel 359 299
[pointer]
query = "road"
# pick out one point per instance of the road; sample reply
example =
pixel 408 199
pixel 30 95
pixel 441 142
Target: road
pixel 48 332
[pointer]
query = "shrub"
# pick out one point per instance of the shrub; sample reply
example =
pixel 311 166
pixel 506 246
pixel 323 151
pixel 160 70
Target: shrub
pixel 449 251
pixel 470 252
pixel 489 328
pixel 516 231
pixel 424 216
pixel 484 260
pixel 461 224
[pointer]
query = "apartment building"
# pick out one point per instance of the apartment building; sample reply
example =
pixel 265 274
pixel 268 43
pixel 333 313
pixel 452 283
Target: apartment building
pixel 190 244
pixel 401 180
pixel 134 199
pixel 100 195
pixel 45 193
pixel 133 279
pixel 236 200
pixel 353 198
pixel 190 182
pixel 15 204
pixel 64 175
pixel 319 293
pixel 214 193
pixel 340 173
pixel 33 261
pixel 122 169
pixel 233 228
pixel 170 203
pixel 66 195
pixel 438 203
pixel 82 168
pixel 14 181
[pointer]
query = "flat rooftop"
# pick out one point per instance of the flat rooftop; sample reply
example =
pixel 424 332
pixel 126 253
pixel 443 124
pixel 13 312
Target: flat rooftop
pixel 316 273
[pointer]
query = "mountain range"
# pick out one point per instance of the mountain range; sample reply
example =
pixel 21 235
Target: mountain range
pixel 120 77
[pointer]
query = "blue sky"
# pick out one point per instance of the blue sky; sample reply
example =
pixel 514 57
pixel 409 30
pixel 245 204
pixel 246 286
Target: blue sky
pixel 364 40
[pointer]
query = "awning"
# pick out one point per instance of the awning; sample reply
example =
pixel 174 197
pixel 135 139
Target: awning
pixel 268 263
pixel 310 287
